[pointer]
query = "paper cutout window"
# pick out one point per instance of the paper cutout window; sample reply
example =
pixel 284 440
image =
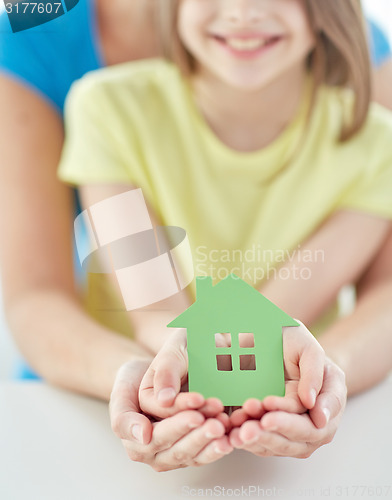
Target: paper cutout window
pixel 238 355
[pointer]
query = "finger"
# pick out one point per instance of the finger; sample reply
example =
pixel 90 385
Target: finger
pixel 170 369
pixel 297 428
pixel 170 430
pixel 289 403
pixel 225 420
pixel 299 344
pixel 184 401
pixel 212 407
pixel 311 367
pixel 270 443
pixel 238 417
pixel 189 400
pixel 234 438
pixel 254 408
pixel 214 451
pixel 165 434
pixel 332 399
pixel 185 449
pixel 125 416
pixel 276 403
pixel 162 382
pixel 249 432
pixel 247 438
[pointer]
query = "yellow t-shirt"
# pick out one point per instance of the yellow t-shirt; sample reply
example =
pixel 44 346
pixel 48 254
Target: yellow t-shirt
pixel 137 123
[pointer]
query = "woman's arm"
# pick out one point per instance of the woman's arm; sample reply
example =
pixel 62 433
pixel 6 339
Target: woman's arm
pixel 361 344
pixel 60 341
pixel 382 84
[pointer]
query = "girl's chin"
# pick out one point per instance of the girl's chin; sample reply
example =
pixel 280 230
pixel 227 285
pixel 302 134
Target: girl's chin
pixel 245 83
pixel 253 80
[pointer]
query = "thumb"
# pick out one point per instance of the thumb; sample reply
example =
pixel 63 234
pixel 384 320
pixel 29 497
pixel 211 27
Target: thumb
pixel 170 369
pixel 304 361
pixel 311 367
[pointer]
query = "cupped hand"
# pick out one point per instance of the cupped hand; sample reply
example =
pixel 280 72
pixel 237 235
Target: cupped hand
pixel 188 438
pixel 308 415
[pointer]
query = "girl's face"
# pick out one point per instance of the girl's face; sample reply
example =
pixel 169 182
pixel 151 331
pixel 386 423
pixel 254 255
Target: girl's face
pixel 247 44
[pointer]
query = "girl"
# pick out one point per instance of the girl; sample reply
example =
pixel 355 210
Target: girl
pixel 259 136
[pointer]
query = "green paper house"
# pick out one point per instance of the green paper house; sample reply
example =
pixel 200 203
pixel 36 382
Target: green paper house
pixel 235 343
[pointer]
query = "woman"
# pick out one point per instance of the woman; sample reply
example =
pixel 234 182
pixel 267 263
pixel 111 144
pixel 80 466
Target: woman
pixel 37 67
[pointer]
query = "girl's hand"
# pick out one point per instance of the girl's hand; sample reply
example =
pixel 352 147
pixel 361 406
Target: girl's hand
pixel 161 392
pixel 187 438
pixel 307 416
pixel 304 361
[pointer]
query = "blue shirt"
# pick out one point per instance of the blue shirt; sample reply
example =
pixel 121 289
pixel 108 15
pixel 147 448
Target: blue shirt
pixel 50 57
pixel 380 49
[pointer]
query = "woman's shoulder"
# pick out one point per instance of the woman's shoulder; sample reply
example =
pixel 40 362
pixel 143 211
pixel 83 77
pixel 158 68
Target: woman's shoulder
pixel 43 56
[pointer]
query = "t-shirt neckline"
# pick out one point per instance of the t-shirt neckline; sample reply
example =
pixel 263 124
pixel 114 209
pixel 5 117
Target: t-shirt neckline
pixel 273 157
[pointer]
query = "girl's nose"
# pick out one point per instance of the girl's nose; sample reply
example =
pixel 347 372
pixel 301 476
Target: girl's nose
pixel 243 12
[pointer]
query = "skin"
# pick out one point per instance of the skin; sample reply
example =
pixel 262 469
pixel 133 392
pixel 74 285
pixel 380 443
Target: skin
pixel 77 353
pixel 382 77
pixel 221 90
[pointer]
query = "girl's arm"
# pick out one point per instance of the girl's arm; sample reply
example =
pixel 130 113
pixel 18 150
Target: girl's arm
pixel 148 323
pixel 337 254
pixel 361 344
pixel 51 329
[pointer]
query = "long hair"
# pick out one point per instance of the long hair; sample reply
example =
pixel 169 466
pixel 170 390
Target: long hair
pixel 340 57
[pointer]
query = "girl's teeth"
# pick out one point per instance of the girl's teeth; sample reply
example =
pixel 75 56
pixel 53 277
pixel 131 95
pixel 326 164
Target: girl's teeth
pixel 245 44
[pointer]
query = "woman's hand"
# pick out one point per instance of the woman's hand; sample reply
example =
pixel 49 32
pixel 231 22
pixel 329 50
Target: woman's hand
pixel 187 438
pixel 307 416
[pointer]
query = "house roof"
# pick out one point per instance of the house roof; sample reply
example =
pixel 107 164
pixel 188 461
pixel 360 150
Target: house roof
pixel 231 304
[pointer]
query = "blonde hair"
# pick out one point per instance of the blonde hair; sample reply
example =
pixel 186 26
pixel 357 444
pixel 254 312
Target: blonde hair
pixel 340 57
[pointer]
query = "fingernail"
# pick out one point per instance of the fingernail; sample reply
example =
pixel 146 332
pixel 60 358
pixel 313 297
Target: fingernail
pixel 212 435
pixel 327 414
pixel 166 394
pixel 136 431
pixel 313 395
pixel 218 451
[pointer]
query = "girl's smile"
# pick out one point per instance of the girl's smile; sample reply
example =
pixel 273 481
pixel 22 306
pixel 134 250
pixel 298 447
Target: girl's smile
pixel 247 46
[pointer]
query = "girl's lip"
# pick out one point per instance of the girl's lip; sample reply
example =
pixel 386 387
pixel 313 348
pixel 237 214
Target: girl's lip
pixel 241 45
pixel 247 35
